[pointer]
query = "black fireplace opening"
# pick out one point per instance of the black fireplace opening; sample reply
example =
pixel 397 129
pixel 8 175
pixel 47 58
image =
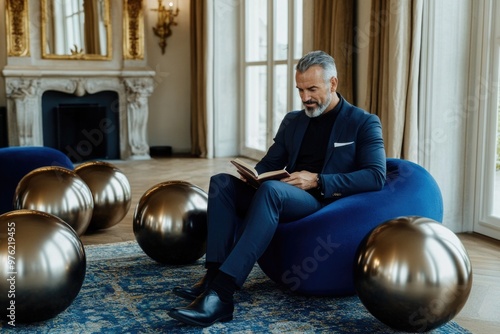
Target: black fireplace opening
pixel 83 127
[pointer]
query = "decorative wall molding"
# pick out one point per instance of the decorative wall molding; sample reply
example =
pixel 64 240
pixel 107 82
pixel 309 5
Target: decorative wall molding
pixel 133 29
pixel 17 24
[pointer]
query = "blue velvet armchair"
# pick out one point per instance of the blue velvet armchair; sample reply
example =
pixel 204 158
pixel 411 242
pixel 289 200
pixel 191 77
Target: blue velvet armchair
pixel 17 161
pixel 316 254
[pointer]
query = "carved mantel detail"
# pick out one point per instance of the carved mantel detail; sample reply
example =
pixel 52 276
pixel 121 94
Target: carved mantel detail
pixel 138 91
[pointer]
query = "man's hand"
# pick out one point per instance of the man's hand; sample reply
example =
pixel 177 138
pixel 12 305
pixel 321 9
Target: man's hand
pixel 303 180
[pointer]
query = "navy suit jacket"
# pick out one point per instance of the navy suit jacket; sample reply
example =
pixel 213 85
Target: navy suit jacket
pixel 355 159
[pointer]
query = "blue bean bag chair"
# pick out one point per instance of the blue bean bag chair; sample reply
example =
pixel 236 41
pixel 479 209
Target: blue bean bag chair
pixel 17 161
pixel 316 254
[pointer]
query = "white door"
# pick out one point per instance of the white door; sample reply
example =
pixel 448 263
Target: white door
pixel 487 180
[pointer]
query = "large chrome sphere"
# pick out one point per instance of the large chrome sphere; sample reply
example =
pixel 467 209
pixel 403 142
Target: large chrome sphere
pixel 413 274
pixel 110 190
pixel 42 266
pixel 58 191
pixel 170 222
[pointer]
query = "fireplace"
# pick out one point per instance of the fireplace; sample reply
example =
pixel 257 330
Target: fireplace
pixel 84 128
pixel 124 94
pixel 30 73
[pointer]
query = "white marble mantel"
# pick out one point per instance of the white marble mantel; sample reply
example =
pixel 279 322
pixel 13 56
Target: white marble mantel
pixel 26 85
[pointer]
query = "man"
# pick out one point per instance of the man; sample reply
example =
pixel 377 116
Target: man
pixel 331 150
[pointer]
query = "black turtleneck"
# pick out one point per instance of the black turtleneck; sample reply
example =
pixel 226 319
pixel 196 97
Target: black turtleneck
pixel 315 142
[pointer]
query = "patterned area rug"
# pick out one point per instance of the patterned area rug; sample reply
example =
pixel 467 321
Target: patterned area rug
pixel 127 292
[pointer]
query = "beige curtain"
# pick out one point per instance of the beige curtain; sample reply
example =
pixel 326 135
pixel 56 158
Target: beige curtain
pixel 92 35
pixel 333 31
pixel 393 73
pixel 198 37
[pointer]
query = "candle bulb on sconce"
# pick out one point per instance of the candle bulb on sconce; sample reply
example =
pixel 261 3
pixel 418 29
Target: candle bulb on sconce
pixel 166 18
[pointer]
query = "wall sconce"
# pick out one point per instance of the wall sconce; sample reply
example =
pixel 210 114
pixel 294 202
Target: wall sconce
pixel 166 18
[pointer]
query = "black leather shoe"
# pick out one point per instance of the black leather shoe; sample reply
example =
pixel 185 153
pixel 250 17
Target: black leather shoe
pixel 193 292
pixel 204 311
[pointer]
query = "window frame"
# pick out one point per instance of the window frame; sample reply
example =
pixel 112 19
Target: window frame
pixel 270 63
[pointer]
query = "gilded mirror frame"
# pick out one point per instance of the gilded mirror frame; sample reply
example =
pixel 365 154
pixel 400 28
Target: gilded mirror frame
pixel 76 54
pixel 17 28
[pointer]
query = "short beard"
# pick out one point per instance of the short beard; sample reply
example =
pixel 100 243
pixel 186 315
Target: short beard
pixel 320 109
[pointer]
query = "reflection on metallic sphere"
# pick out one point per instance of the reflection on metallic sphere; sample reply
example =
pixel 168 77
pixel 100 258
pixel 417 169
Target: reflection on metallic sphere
pixel 170 222
pixel 43 263
pixel 58 191
pixel 110 190
pixel 413 274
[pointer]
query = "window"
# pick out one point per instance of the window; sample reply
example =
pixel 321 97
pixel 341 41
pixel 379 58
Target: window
pixel 272 45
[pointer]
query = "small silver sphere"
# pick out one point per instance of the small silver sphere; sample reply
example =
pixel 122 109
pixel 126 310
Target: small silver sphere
pixel 413 274
pixel 42 266
pixel 58 191
pixel 110 190
pixel 170 222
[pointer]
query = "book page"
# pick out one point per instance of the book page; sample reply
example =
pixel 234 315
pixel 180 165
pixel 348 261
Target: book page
pixel 249 172
pixel 244 167
pixel 275 174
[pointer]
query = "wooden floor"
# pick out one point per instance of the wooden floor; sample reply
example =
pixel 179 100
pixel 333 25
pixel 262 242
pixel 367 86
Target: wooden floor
pixel 480 315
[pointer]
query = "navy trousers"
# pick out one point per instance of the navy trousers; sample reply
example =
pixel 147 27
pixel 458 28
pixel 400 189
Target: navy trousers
pixel 242 220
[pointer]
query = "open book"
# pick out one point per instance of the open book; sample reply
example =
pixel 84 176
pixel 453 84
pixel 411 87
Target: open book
pixel 253 177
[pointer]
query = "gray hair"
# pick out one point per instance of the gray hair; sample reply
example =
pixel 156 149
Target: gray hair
pixel 318 58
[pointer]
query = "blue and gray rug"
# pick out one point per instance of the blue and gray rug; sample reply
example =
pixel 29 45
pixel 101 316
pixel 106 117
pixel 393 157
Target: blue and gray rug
pixel 127 292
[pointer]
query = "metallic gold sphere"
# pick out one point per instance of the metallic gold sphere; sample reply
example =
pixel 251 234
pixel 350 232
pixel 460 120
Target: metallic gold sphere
pixel 42 266
pixel 170 222
pixel 58 191
pixel 110 190
pixel 413 274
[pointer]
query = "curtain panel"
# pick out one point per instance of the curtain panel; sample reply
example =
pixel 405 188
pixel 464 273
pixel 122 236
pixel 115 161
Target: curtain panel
pixel 91 27
pixel 198 41
pixel 393 73
pixel 333 32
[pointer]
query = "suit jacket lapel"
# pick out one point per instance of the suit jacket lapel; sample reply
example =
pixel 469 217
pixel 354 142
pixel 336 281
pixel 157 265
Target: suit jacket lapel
pixel 300 130
pixel 338 129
